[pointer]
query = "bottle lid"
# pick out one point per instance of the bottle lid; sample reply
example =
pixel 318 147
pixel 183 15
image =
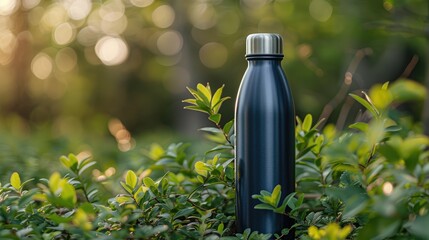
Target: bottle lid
pixel 264 43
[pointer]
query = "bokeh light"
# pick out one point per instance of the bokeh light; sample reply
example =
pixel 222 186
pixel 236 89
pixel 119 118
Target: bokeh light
pixel 170 43
pixel 29 4
pixel 141 3
pixel 121 134
pixel 88 36
pixel 112 10
pixel 7 46
pixel 321 10
pixel 64 34
pixel 213 55
pixel 111 50
pixel 203 15
pixel 53 16
pixel 78 9
pixel 66 59
pixel 163 16
pixel 8 7
pixel 41 66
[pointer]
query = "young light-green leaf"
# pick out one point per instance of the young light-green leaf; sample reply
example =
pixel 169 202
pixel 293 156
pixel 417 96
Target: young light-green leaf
pixel 366 104
pixel 215 118
pixel 148 182
pixel 308 121
pixel 131 179
pixel 15 181
pixel 216 96
pixel 275 196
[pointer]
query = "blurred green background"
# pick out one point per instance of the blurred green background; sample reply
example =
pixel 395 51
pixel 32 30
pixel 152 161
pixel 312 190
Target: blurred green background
pixel 107 77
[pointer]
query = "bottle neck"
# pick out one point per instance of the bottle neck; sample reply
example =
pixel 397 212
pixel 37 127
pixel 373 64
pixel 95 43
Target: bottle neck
pixel 270 59
pixel 253 57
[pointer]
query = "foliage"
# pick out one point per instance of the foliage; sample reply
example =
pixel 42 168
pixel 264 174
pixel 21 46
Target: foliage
pixel 369 182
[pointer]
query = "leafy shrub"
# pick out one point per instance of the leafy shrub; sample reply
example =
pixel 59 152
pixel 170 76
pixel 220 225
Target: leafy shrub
pixel 370 182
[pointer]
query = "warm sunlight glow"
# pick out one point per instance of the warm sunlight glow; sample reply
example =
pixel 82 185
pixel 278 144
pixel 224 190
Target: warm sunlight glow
pixel 63 33
pixel 54 16
pixel 170 43
pixel 7 46
pixel 78 9
pixel 141 3
pixel 203 16
pixel 29 4
pixel 111 50
pixel 110 171
pixel 321 10
pixel 7 7
pixel 112 10
pixel 387 188
pixel 213 55
pixel 66 59
pixel 41 66
pixel 163 16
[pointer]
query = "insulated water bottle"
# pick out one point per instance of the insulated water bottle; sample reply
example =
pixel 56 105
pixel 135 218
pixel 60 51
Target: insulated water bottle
pixel 265 134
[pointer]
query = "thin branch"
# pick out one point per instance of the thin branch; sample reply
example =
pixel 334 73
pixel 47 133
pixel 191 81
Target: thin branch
pixel 347 81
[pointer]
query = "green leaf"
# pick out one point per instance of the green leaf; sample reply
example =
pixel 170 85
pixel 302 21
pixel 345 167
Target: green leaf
pixel 131 179
pixel 228 126
pixel 308 121
pixel 264 206
pixel 360 126
pixel 184 212
pixel 215 118
pixel 217 96
pixel 275 196
pixel 204 92
pixel 15 181
pixel 220 228
pixel 286 202
pixel 379 228
pixel 148 182
pixel 419 227
pixel 85 167
pixel 68 194
pixel 366 104
pixel 407 90
pixel 217 106
pixel 201 168
pixel 190 101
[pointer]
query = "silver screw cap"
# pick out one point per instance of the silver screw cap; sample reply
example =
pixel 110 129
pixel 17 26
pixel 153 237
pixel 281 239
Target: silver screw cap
pixel 264 43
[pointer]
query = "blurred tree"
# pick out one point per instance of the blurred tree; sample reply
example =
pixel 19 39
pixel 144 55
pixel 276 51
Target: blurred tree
pixel 66 62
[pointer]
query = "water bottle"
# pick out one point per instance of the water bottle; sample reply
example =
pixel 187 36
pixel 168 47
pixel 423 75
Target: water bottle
pixel 265 134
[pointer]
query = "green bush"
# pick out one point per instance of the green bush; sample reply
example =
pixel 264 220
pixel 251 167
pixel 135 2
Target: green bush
pixel 369 182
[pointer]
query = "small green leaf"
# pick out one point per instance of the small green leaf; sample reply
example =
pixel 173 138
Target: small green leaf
pixel 201 168
pixel 275 196
pixel 220 228
pixel 205 91
pixel 366 104
pixel 190 101
pixel 308 121
pixel 184 212
pixel 228 126
pixel 15 181
pixel 264 206
pixel 131 179
pixel 215 118
pixel 217 106
pixel 216 96
pixel 360 126
pixel 148 182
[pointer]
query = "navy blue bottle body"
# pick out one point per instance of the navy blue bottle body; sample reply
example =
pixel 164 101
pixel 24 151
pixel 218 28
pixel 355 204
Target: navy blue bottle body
pixel 265 142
